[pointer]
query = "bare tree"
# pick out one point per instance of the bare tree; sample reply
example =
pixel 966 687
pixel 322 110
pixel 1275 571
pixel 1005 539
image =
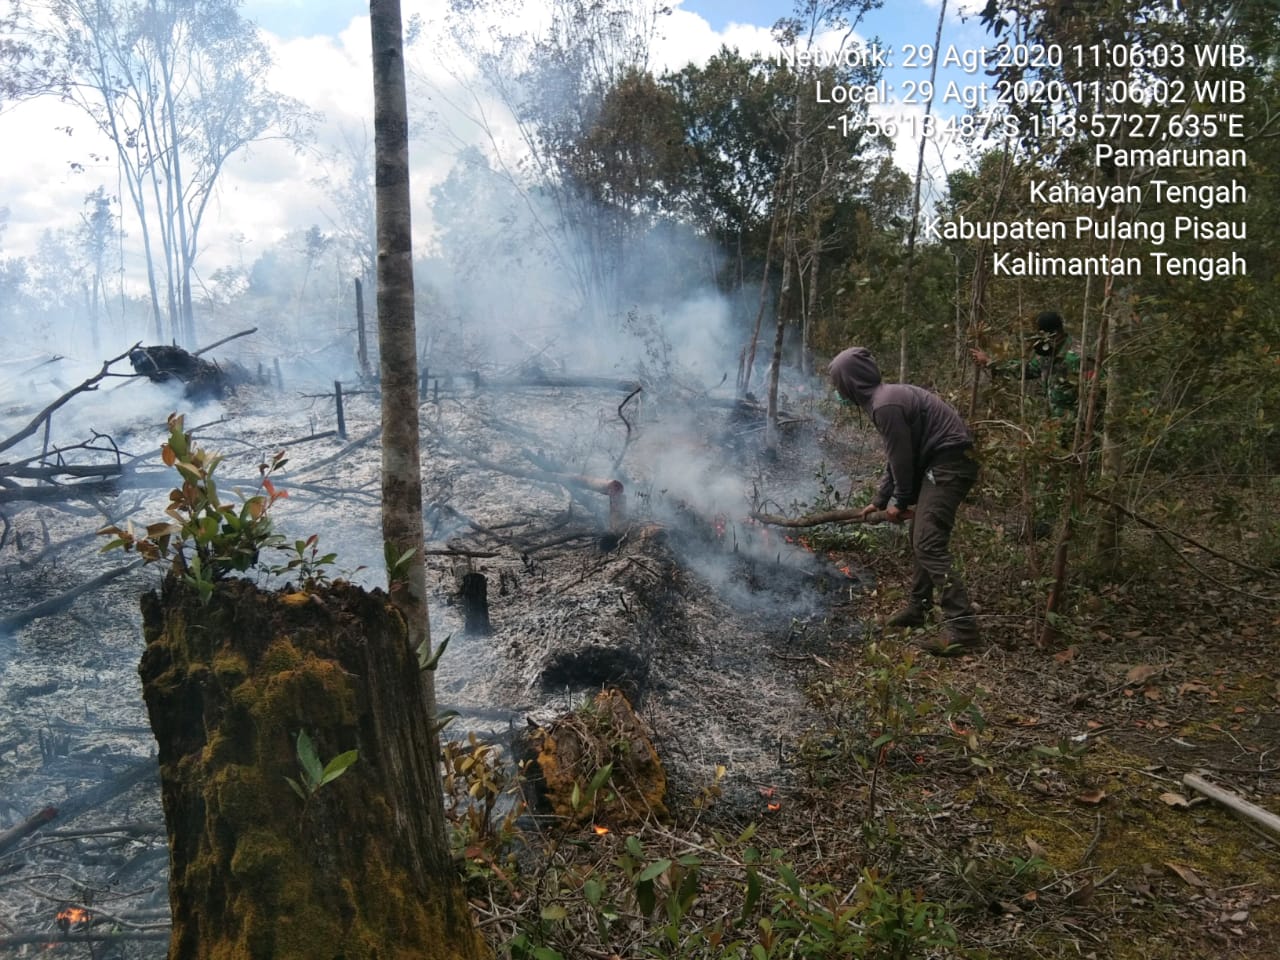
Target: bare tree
pixel 179 87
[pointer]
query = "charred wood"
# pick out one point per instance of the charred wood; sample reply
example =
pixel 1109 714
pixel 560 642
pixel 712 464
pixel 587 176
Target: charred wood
pixel 163 362
pixel 475 604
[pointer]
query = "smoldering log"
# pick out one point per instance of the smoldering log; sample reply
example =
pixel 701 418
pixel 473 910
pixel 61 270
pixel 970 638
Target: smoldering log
pixel 817 519
pixel 162 363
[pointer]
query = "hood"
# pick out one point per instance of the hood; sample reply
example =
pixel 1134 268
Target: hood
pixel 854 374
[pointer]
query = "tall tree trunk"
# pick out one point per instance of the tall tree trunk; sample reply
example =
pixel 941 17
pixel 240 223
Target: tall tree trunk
pixel 749 351
pixel 401 464
pixel 1113 460
pixel 915 202
pixel 775 364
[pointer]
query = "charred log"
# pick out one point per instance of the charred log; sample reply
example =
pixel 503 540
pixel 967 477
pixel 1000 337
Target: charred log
pixel 203 380
pixel 350 871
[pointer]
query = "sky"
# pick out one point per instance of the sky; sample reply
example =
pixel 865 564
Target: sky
pixel 52 157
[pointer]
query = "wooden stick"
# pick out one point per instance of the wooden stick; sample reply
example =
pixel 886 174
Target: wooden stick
pixel 1237 803
pixel 816 519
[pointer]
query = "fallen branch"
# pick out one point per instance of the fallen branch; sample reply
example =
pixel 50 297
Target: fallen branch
pixel 1234 802
pixel 28 826
pixel 47 412
pixel 63 600
pixel 1152 525
pixel 817 519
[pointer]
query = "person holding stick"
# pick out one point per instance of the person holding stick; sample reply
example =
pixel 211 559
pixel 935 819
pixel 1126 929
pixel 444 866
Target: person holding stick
pixel 929 473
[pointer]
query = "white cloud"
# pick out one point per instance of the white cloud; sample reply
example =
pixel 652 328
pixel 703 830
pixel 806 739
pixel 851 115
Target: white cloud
pixel 271 189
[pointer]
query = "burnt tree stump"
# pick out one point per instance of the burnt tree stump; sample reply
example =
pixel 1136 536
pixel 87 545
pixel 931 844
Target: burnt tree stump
pixel 475 605
pixel 353 872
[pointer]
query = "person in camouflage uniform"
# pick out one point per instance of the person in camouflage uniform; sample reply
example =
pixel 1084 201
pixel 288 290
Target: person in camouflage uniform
pixel 1055 362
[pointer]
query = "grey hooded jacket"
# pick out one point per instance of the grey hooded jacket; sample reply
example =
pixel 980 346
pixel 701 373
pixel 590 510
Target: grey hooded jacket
pixel 919 428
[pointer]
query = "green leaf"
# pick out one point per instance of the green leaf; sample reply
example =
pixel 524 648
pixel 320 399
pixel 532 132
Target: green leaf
pixel 297 788
pixel 599 779
pixel 338 766
pixel 593 890
pixel 881 740
pixel 428 660
pixel 444 719
pixel 646 899
pixel 753 893
pixel 633 847
pixel 309 760
pixel 554 912
pixel 546 953
pixel 655 869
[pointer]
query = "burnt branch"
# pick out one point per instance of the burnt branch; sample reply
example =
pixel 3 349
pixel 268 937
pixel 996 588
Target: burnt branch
pixel 44 415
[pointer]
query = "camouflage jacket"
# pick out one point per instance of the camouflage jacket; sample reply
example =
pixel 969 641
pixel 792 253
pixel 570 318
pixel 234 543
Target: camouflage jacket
pixel 1057 373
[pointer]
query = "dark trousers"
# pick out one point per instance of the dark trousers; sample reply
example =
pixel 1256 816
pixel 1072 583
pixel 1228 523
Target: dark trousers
pixel 934 519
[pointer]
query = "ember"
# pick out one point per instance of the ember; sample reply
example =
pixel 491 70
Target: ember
pixel 73 917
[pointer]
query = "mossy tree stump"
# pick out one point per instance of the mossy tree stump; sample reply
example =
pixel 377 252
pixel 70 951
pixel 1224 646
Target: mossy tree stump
pixel 361 869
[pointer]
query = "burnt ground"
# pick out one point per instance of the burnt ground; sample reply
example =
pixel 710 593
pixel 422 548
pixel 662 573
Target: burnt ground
pixel 1034 793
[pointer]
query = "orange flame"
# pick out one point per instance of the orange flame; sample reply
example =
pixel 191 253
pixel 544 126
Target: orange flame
pixel 72 917
pixel 774 807
pixel 600 831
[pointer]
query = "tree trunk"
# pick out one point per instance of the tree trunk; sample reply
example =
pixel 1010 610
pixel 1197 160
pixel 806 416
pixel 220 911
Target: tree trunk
pixel 775 364
pixel 355 870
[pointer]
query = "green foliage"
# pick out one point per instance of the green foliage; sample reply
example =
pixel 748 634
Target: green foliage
pixel 204 539
pixel 398 565
pixel 660 904
pixel 312 773
pixel 477 785
pixel 307 563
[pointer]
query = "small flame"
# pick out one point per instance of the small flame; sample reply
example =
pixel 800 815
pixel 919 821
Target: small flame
pixel 774 807
pixel 600 831
pixel 72 917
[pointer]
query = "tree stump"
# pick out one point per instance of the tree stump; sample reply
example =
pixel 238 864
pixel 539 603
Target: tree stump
pixel 475 605
pixel 360 869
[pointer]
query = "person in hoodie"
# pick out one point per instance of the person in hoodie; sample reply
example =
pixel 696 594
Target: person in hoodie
pixel 930 471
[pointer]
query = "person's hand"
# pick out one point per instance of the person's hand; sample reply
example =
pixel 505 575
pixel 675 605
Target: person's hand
pixel 980 357
pixel 866 511
pixel 894 515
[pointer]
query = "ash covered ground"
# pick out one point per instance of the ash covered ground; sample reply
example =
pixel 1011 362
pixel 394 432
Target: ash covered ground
pixel 700 614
